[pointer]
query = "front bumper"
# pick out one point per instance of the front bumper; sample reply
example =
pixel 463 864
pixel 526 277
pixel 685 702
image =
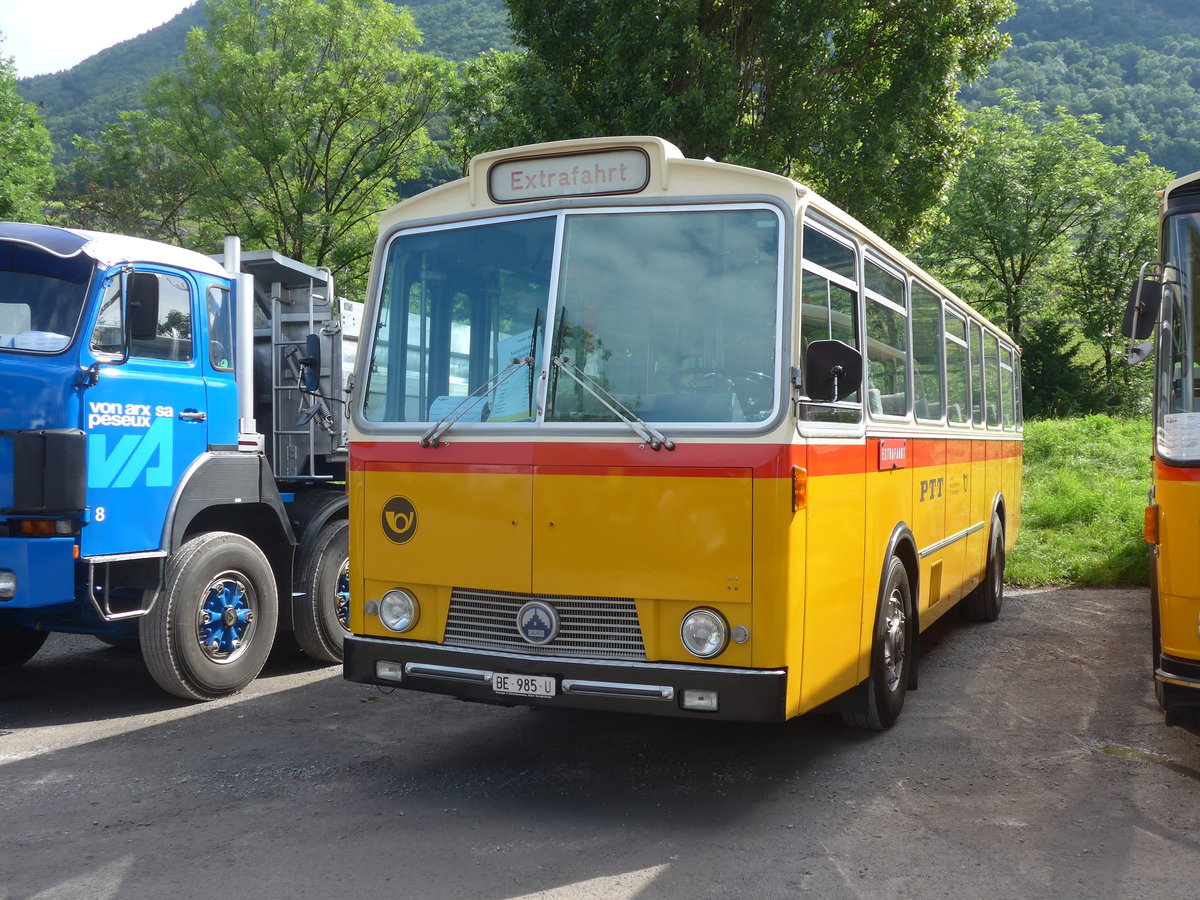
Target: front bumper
pixel 754 695
pixel 44 569
pixel 1178 684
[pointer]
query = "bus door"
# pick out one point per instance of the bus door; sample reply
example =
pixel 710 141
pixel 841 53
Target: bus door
pixel 836 464
pixel 958 456
pixel 931 492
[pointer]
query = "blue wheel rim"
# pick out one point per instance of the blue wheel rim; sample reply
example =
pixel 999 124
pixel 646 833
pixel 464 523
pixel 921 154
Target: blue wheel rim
pixel 343 595
pixel 225 620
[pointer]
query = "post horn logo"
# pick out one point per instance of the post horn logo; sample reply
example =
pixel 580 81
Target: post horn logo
pixel 399 520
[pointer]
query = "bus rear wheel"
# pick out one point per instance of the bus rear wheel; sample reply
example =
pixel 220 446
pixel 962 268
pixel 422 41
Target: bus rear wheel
pixel 891 655
pixel 983 604
pixel 212 628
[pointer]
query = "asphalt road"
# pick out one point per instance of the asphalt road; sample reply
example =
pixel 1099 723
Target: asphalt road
pixel 1032 762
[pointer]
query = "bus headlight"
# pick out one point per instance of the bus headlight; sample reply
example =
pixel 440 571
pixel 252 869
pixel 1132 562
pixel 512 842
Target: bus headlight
pixel 398 610
pixel 704 633
pixel 8 584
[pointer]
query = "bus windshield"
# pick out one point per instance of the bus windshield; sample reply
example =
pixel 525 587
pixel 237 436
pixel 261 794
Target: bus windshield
pixel 41 298
pixel 672 314
pixel 1179 404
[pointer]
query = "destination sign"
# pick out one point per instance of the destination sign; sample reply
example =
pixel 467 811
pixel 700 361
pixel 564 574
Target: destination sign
pixel 624 171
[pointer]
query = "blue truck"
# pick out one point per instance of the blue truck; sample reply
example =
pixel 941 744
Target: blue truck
pixel 172 454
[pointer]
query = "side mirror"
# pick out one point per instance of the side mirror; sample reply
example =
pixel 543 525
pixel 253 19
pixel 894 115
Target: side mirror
pixel 832 371
pixel 311 363
pixel 141 306
pixel 1141 315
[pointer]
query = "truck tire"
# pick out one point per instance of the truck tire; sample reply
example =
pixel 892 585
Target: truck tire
pixel 211 630
pixel 983 604
pixel 19 644
pixel 322 614
pixel 891 654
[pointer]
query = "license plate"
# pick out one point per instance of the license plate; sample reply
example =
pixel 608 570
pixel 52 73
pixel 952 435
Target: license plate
pixel 523 685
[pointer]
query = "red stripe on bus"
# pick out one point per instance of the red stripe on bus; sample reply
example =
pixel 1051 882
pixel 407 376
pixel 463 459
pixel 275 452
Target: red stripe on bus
pixel 1164 472
pixel 691 460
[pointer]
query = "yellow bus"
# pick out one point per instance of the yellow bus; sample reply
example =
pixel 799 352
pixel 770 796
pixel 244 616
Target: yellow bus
pixel 651 434
pixel 1166 295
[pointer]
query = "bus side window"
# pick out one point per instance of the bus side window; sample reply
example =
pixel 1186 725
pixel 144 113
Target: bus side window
pixel 977 383
pixel 829 310
pixel 991 360
pixel 928 364
pixel 958 370
pixel 1008 384
pixel 887 343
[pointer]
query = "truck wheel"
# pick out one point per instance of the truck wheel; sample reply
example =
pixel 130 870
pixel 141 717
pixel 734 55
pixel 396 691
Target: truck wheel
pixel 322 615
pixel 983 604
pixel 891 658
pixel 211 630
pixel 19 644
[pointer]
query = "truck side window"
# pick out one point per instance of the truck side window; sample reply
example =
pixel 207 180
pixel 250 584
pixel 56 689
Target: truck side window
pixel 220 329
pixel 172 338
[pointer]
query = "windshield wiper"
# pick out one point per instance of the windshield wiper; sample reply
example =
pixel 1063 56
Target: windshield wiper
pixel 639 426
pixel 432 437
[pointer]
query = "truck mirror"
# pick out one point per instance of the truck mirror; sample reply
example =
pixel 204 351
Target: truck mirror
pixel 832 371
pixel 141 306
pixel 1141 315
pixel 312 363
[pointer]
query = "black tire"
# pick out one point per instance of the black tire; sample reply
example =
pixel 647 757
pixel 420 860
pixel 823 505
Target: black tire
pixel 190 657
pixel 18 644
pixel 322 614
pixel 1155 627
pixel 984 603
pixel 891 654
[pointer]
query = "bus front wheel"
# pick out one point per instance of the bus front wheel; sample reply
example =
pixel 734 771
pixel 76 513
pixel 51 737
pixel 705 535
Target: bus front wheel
pixel 891 655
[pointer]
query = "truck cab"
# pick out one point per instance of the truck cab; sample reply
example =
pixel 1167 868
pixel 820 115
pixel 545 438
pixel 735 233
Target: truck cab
pixel 172 454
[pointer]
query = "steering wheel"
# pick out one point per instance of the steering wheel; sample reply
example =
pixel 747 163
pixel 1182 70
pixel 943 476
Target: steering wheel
pixel 711 380
pixel 753 389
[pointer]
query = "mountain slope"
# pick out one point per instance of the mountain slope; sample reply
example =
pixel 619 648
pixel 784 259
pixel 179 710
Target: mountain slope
pixel 1135 63
pixel 85 99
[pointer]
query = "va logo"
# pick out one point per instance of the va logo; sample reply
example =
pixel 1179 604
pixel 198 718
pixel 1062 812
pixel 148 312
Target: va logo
pixel 132 457
pixel 399 520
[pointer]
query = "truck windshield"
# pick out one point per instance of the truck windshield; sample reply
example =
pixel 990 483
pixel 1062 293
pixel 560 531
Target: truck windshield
pixel 41 298
pixel 1178 419
pixel 672 312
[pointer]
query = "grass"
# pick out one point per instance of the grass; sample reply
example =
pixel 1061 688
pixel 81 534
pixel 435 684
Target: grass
pixel 1086 484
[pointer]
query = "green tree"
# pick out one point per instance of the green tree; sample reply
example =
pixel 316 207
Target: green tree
pixel 26 176
pixel 1026 191
pixel 855 97
pixel 289 123
pixel 127 182
pixel 1104 264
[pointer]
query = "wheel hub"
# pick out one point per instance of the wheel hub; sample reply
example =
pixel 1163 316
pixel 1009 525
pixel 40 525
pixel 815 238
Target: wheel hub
pixel 893 640
pixel 225 618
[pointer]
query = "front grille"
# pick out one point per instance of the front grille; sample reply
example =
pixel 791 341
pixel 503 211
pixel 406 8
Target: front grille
pixel 590 627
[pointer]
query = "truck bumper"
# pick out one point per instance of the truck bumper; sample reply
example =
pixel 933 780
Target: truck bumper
pixel 44 569
pixel 665 689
